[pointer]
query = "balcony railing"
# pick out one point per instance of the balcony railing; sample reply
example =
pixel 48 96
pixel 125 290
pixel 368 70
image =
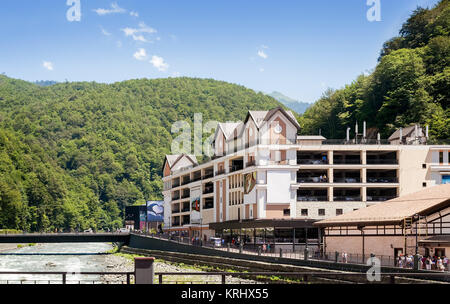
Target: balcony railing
pixel 312 162
pixel 236 168
pixel 347 198
pixel 347 162
pixel 174 185
pixel 382 161
pixel 312 198
pixel 209 175
pixel 347 180
pixel 196 178
pixel 175 197
pixel 186 181
pixel 379 198
pixel 220 172
pixel 208 190
pixel 312 180
pixel 251 163
pixel 380 180
pixel 186 195
pixel 175 211
pixel 186 210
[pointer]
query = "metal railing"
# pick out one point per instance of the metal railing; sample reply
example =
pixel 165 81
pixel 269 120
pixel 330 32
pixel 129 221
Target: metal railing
pixel 312 180
pixel 347 180
pixel 312 198
pixel 382 180
pixel 347 198
pixel 66 277
pixel 312 161
pixel 379 198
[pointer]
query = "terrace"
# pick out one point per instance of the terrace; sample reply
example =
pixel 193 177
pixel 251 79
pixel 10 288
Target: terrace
pixel 382 158
pixel 347 176
pixel 347 158
pixel 312 176
pixel 382 176
pixel 347 195
pixel 381 194
pixel 208 188
pixel 312 158
pixel 312 195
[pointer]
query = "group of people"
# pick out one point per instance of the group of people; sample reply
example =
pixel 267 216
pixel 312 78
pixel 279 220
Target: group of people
pixel 426 263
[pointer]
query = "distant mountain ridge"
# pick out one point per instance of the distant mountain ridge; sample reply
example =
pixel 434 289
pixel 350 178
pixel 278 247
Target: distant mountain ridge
pixel 298 106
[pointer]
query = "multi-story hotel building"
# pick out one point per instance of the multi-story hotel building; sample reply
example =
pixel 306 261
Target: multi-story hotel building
pixel 264 179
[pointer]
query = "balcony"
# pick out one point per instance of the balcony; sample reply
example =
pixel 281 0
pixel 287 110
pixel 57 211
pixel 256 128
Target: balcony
pixel 176 184
pixel 315 179
pixel 381 180
pixel 382 158
pixel 208 190
pixel 186 181
pixel 382 162
pixel 236 168
pixel 312 161
pixel 186 209
pixel 347 180
pixel 379 198
pixel 175 211
pixel 347 161
pixel 208 203
pixel 176 197
pixel 347 198
pixel 312 198
pixel 209 175
pixel 220 172
pixel 186 195
pixel 251 163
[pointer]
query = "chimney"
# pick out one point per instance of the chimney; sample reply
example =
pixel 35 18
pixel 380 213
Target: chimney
pixel 364 130
pixel 401 135
pixel 378 137
pixel 426 132
pixel 356 128
pixel 348 134
pixel 416 130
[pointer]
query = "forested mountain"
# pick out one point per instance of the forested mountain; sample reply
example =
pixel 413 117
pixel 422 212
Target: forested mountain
pixel 75 154
pixel 297 106
pixel 410 84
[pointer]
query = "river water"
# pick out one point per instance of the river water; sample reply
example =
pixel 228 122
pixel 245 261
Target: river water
pixel 62 257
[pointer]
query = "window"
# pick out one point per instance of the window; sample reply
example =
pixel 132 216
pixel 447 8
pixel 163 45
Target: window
pixel 424 185
pixel 287 212
pixel 321 212
pixel 441 157
pixel 339 211
pixel 424 166
pixel 304 212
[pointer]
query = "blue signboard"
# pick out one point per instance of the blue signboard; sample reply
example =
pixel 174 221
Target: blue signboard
pixel 446 179
pixel 155 211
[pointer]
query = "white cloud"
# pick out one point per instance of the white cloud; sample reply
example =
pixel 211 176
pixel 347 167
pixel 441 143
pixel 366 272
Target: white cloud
pixel 115 9
pixel 137 33
pixel 158 62
pixel 119 43
pixel 261 70
pixel 105 32
pixel 48 65
pixel 262 54
pixel 264 46
pixel 141 54
pixel 134 14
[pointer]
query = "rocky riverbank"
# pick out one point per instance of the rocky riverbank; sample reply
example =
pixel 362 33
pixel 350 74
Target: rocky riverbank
pixel 7 247
pixel 116 263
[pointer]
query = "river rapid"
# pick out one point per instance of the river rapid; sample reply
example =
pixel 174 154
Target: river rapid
pixel 61 257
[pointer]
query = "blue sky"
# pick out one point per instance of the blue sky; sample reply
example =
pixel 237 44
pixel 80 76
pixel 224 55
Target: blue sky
pixel 296 47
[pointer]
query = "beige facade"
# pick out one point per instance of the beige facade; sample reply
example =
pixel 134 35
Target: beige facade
pixel 296 177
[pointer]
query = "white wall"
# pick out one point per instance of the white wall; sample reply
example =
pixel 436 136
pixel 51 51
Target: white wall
pixel 278 186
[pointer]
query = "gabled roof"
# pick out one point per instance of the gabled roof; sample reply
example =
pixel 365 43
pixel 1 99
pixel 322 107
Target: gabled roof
pixel 405 132
pixel 228 128
pixel 288 115
pixel 394 211
pixel 173 159
pixel 261 117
